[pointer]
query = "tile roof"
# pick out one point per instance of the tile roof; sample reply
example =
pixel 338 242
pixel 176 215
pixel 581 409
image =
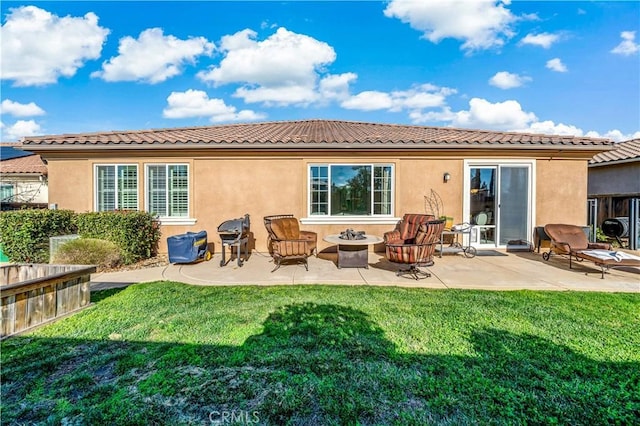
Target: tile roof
pixel 30 164
pixel 311 134
pixel 622 152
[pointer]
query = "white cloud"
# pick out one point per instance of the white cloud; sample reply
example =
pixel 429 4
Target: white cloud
pixel 482 114
pixel 500 115
pixel 481 24
pixel 508 116
pixel 556 64
pixel 369 100
pixel 544 40
pixel 548 127
pixel 615 135
pixel 283 69
pixel 336 87
pixel 628 45
pixel 196 103
pixel 153 57
pixel 20 110
pixel 39 47
pixel 415 99
pixel 19 129
pixel 507 80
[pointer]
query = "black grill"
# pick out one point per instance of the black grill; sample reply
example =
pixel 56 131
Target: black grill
pixel 235 232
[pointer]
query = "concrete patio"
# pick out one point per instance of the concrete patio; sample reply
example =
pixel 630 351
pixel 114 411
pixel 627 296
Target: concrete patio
pixel 491 270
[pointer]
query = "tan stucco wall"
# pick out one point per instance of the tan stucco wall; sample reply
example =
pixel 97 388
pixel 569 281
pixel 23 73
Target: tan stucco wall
pixel 71 184
pixel 229 186
pixel 561 192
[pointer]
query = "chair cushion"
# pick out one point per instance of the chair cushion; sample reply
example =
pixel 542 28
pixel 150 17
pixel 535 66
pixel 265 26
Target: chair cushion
pixel 410 224
pixel 569 234
pixel 429 232
pixel 286 228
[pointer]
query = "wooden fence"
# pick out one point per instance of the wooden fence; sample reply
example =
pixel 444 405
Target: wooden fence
pixel 34 294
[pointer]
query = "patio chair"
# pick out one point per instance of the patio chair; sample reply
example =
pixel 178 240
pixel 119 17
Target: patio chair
pixel 570 240
pixel 412 244
pixel 287 242
pixel 482 219
pixel 311 236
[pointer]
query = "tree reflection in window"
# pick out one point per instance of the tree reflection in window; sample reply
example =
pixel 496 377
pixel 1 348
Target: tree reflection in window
pixel 350 190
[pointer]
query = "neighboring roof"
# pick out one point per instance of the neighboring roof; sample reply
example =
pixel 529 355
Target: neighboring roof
pixel 30 164
pixel 622 152
pixel 310 134
pixel 8 151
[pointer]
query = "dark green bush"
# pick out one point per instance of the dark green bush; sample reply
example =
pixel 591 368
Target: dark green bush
pixel 88 251
pixel 24 234
pixel 135 233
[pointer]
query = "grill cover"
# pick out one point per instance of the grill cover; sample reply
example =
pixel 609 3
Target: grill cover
pixel 186 248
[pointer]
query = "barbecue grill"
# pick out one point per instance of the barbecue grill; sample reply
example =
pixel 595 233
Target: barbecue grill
pixel 235 232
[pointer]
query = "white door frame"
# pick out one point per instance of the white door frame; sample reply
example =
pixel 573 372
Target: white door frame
pixel 496 162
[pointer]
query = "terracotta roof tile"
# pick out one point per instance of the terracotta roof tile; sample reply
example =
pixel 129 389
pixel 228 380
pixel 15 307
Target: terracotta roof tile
pixel 316 134
pixel 622 152
pixel 27 165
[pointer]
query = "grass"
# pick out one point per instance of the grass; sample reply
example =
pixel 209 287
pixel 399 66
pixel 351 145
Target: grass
pixel 168 353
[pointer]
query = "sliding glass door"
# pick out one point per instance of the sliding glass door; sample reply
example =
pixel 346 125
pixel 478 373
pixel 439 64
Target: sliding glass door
pixel 513 205
pixel 499 202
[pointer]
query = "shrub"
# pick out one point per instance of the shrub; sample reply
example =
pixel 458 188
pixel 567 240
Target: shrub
pixel 135 233
pixel 89 251
pixel 24 234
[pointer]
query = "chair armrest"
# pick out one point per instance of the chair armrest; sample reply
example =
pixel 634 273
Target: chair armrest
pixel 309 235
pixel 391 236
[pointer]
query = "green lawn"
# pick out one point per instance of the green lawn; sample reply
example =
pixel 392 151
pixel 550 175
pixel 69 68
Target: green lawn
pixel 168 353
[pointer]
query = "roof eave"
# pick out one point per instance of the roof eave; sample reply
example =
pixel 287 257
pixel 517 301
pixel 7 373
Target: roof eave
pixel 615 162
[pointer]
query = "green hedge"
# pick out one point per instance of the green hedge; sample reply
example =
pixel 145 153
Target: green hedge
pixel 24 234
pixel 135 233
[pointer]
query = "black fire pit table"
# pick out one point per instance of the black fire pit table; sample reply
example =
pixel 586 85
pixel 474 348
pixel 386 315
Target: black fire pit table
pixel 353 253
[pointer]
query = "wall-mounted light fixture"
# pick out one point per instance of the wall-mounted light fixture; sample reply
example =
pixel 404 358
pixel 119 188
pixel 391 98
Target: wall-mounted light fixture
pixel 446 177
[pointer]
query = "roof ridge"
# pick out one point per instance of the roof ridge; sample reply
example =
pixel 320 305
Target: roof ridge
pixel 315 120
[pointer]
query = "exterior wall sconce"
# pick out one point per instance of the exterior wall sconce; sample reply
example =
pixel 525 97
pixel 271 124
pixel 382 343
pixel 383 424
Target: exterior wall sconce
pixel 446 177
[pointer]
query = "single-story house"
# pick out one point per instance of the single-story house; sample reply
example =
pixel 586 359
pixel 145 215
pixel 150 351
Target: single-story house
pixel 614 178
pixel 331 174
pixel 23 177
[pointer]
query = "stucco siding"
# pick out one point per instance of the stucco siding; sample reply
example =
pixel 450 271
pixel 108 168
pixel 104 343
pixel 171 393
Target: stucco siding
pixel 229 186
pixel 71 184
pixel 561 192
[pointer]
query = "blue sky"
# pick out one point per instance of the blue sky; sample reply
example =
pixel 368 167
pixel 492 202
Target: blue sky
pixel 547 67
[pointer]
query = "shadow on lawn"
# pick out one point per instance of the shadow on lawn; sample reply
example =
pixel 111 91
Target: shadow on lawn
pixel 313 364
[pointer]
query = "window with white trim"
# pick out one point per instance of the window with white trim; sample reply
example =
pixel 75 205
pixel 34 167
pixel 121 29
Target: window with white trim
pixel 168 190
pixel 116 187
pixel 350 190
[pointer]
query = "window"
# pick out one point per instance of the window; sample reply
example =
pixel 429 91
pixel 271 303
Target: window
pixel 116 187
pixel 350 190
pixel 168 190
pixel 6 192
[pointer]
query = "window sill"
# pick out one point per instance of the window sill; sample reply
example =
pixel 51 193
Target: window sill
pixel 177 221
pixel 348 220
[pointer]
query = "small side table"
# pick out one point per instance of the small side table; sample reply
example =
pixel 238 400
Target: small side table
pixel 353 253
pixel 456 246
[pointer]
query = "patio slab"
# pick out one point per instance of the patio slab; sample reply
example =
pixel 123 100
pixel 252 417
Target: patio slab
pixel 498 271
